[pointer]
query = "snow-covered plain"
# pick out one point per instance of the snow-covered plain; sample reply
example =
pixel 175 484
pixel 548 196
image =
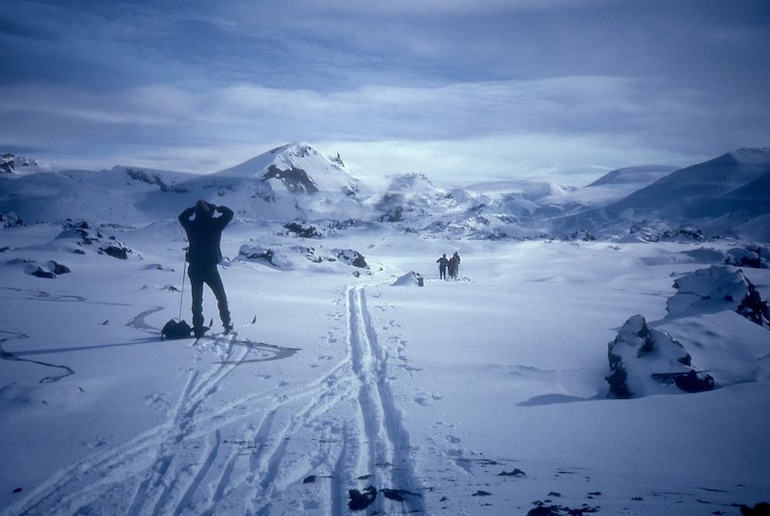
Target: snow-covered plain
pixel 481 395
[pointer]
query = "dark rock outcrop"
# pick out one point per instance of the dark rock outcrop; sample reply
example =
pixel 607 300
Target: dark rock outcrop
pixel 644 361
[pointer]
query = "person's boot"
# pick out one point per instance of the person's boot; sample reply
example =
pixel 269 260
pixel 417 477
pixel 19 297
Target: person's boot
pixel 199 331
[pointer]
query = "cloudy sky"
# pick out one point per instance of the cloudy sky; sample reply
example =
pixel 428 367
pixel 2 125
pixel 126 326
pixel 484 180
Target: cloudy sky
pixel 503 88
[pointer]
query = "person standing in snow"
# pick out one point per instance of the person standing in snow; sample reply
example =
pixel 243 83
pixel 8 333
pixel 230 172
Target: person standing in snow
pixel 442 265
pixel 455 259
pixel 204 232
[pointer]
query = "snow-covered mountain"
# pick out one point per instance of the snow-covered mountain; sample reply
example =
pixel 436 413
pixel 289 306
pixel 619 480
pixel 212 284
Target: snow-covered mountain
pixel 286 183
pixel 692 191
pixel 297 167
pixel 728 195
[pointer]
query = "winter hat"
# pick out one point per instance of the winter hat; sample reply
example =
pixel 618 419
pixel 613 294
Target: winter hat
pixel 202 208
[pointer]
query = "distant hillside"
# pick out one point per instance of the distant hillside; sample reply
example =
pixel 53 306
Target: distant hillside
pixel 753 199
pixel 641 175
pixel 609 188
pixel 692 191
pixel 728 195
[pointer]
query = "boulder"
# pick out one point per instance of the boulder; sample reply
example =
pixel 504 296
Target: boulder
pixel 709 290
pixel 351 257
pixel 410 279
pixel 646 361
pixel 718 288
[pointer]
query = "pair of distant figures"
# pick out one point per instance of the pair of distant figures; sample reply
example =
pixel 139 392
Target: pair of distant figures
pixel 450 266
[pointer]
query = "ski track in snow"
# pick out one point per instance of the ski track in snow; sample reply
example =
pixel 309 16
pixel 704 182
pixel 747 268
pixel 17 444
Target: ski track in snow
pixel 388 450
pixel 250 454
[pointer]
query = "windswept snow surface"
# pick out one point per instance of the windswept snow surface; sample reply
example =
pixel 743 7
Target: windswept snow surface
pixel 484 395
pixel 481 395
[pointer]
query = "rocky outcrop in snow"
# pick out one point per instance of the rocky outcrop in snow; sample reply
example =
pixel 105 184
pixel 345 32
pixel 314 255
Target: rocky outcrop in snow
pixel 10 220
pixel 294 179
pixel 10 163
pixel 84 234
pixel 410 279
pixel 49 269
pixel 154 178
pixel 749 256
pixel 296 256
pixel 717 288
pixel 646 361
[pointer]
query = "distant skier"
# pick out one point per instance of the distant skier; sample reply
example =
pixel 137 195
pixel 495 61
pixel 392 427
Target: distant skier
pixel 442 266
pixel 204 232
pixel 454 265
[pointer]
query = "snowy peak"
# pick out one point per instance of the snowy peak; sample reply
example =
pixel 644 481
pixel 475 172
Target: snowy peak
pixel 297 168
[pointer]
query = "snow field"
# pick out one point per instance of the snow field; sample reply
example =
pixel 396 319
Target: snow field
pixel 344 382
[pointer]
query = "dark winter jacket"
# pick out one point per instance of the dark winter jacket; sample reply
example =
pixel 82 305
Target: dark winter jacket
pixel 204 232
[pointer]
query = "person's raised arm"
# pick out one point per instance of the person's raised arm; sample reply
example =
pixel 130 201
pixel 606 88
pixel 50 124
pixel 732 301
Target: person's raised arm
pixel 227 214
pixel 184 217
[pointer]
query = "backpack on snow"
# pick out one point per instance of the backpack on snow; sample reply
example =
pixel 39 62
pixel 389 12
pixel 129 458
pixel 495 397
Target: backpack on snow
pixel 175 330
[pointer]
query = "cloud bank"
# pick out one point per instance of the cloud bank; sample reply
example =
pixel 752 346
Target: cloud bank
pixel 519 88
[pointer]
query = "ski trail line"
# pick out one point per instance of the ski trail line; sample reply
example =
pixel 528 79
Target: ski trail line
pixel 171 482
pixel 252 453
pixel 155 462
pixel 388 451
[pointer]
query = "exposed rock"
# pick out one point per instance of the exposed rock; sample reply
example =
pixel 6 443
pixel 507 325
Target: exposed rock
pixel 304 231
pixel 558 510
pixel 750 256
pixel 351 257
pixel 515 473
pixel 84 234
pixel 7 164
pixel 138 174
pixel 294 179
pixel 49 269
pixel 116 250
pixel 10 220
pixel 42 273
pixel 718 288
pixel 257 253
pixel 644 361
pixel 409 279
pixel 360 501
pixel 754 308
pixel 81 231
pixel 714 289
pixel 760 509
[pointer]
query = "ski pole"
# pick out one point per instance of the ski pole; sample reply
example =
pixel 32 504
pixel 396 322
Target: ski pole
pixel 184 273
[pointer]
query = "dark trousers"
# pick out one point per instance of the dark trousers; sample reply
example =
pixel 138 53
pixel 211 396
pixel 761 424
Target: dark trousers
pixel 208 274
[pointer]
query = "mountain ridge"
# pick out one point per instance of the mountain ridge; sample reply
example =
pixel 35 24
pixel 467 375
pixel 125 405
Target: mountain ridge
pixel 686 191
pixel 297 182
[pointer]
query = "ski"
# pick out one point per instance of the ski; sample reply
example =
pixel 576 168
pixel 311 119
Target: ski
pixel 232 332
